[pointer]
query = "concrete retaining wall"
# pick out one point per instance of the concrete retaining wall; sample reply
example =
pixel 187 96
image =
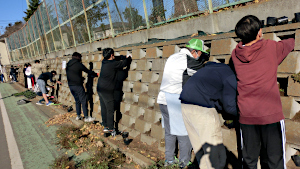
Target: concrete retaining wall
pixel 141 114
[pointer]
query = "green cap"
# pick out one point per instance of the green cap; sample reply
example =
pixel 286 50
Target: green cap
pixel 196 44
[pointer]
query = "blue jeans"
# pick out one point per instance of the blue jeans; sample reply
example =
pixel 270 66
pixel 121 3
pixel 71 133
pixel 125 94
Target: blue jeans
pixel 14 77
pixel 80 98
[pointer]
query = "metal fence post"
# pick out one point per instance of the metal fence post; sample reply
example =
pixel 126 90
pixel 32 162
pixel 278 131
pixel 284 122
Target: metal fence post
pixel 87 23
pixel 31 43
pixel 14 43
pixel 43 48
pixel 20 45
pixel 12 56
pixel 146 14
pixel 71 24
pixel 44 31
pixel 50 26
pixel 110 21
pixel 62 39
pixel 7 48
pixel 25 41
pixel 210 7
pixel 28 43
pixel 37 47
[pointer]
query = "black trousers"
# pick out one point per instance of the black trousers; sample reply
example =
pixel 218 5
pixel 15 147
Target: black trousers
pixel 107 109
pixel 80 98
pixel 266 141
pixel 25 80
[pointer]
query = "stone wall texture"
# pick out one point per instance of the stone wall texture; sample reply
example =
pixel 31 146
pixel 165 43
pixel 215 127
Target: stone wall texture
pixel 140 112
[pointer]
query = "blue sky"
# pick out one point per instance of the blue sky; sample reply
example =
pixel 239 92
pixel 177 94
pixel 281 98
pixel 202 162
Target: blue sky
pixel 11 11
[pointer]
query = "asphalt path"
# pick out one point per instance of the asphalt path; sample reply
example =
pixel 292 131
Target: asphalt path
pixel 34 146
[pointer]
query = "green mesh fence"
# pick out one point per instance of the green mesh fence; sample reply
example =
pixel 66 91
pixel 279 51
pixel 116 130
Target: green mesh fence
pixel 63 16
pixel 98 20
pixel 21 37
pixel 61 24
pixel 127 15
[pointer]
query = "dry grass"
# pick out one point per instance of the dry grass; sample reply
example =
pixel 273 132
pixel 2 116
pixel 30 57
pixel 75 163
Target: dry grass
pixel 63 162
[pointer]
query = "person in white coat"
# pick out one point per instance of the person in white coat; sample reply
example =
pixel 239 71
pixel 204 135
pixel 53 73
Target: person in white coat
pixel 178 68
pixel 30 81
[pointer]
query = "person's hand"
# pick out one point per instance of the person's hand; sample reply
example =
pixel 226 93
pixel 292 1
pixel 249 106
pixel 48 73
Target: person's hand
pixel 128 56
pixel 51 86
pixel 59 82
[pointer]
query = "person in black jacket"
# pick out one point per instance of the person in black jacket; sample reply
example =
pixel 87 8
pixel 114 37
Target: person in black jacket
pixel 42 83
pixel 13 73
pixel 106 86
pixel 25 77
pixel 210 90
pixel 122 74
pixel 74 71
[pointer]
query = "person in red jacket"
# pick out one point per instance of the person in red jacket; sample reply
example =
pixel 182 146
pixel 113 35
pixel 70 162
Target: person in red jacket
pixel 262 122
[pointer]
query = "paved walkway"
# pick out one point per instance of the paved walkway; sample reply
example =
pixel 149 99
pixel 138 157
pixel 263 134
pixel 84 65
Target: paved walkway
pixel 4 154
pixel 35 141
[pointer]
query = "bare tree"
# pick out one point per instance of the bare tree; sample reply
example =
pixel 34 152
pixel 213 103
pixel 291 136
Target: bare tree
pixel 11 28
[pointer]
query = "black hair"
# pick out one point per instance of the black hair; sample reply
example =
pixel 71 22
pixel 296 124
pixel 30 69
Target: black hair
pixel 25 65
pixel 28 64
pixel 247 28
pixel 53 71
pixel 107 52
pixel 76 55
pixel 12 66
pixel 36 61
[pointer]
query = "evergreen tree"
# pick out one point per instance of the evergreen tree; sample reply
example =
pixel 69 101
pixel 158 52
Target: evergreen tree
pixel 33 5
pixel 132 16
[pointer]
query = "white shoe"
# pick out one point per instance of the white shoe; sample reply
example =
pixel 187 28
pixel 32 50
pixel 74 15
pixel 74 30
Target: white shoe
pixel 78 118
pixel 89 119
pixel 39 103
pixel 105 129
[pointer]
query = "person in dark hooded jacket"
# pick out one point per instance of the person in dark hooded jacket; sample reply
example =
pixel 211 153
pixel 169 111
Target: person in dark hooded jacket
pixel 74 71
pixel 106 86
pixel 122 74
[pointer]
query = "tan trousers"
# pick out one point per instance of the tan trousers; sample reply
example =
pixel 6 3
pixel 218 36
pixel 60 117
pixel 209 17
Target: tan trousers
pixel 204 130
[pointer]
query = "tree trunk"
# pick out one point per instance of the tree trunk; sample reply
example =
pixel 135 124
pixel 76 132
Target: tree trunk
pixel 184 7
pixel 158 10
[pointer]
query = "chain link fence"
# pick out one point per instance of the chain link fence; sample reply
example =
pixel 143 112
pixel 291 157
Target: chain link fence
pixel 61 24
